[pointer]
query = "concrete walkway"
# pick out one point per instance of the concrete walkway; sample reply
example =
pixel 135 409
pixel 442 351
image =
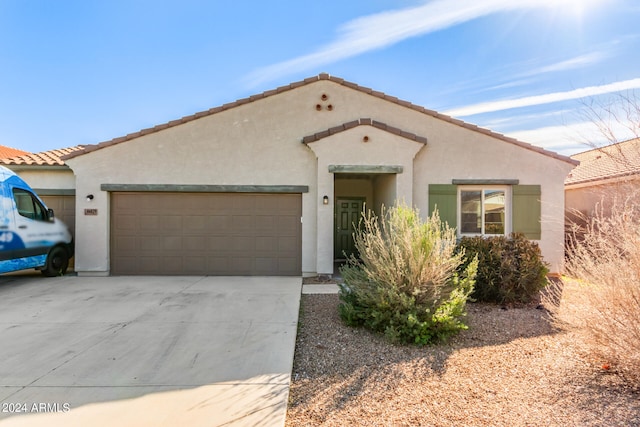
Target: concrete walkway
pixel 146 351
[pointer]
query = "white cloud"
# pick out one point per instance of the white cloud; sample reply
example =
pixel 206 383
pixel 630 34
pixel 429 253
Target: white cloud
pixel 528 101
pixel 572 63
pixel 571 138
pixel 386 28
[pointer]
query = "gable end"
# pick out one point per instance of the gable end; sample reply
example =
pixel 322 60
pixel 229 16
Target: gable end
pixel 363 122
pixel 309 80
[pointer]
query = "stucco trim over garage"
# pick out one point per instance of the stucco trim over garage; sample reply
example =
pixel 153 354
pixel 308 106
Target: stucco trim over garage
pixel 323 76
pixel 281 189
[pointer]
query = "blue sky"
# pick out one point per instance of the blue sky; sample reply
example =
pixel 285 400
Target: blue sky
pixel 82 72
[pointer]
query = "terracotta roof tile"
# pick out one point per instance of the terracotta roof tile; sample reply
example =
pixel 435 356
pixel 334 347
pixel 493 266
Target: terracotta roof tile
pixel 340 81
pixel 44 158
pixel 612 161
pixel 6 152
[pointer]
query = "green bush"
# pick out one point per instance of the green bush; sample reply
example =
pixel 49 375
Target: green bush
pixel 405 282
pixel 510 269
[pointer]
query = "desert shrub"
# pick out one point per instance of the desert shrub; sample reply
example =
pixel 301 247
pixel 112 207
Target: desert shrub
pixel 405 282
pixel 510 269
pixel 606 310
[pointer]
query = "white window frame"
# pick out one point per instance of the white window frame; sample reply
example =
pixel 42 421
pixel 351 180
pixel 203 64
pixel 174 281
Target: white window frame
pixel 482 188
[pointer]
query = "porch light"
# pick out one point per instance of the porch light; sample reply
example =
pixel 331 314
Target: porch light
pixel 89 197
pixel 325 200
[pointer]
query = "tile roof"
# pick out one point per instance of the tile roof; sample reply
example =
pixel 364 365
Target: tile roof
pixel 45 158
pixel 322 76
pixel 6 152
pixel 612 161
pixel 337 129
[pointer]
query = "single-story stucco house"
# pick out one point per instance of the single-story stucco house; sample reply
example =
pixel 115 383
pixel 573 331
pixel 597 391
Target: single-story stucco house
pixel 271 184
pixel 606 175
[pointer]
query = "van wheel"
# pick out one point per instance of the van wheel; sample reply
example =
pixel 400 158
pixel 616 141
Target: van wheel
pixel 57 262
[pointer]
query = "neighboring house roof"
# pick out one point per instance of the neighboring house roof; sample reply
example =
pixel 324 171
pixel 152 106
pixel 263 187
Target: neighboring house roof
pixel 6 152
pixel 322 76
pixel 609 162
pixel 45 158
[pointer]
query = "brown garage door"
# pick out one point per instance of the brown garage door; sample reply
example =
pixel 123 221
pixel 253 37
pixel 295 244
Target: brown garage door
pixel 206 233
pixel 64 208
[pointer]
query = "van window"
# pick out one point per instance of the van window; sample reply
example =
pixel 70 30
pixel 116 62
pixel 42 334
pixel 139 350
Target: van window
pixel 29 206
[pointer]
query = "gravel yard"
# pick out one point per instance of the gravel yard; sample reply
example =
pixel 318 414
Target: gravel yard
pixel 510 368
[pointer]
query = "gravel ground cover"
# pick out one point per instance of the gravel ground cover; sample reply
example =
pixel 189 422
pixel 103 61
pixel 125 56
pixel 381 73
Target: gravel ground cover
pixel 510 368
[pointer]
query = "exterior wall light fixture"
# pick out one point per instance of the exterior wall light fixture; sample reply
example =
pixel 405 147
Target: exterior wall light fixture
pixel 325 200
pixel 89 197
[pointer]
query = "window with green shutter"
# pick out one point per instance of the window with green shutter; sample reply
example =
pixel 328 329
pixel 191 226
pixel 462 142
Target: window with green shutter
pixel 488 209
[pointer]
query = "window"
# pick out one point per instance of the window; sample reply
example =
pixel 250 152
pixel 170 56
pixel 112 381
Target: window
pixel 28 206
pixel 521 212
pixel 483 210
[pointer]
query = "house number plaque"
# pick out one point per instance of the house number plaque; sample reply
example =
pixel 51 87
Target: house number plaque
pixel 91 211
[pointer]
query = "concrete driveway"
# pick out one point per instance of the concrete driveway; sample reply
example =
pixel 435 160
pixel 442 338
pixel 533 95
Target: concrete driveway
pixel 146 351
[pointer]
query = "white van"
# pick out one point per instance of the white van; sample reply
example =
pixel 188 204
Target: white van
pixel 30 236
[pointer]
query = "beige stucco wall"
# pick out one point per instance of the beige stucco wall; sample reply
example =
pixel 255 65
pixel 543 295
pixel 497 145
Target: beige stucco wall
pixel 45 177
pixel 259 143
pixel 384 192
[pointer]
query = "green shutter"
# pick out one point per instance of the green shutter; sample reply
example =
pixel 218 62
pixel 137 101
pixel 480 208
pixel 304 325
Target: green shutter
pixel 526 210
pixel 445 198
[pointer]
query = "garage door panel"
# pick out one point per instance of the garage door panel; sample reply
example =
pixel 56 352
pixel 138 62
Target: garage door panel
pixel 150 243
pixel 265 222
pixel 126 264
pixel 197 264
pixel 172 222
pixel 266 264
pixel 195 223
pixel 195 243
pixel 219 223
pixel 287 245
pixel 166 264
pixel 150 223
pixel 243 204
pixel 126 222
pixel 266 243
pixel 149 264
pixel 206 233
pixel 289 206
pixel 171 243
pixel 220 263
pixel 242 222
pixel 288 225
pixel 287 264
pixel 242 244
pixel 124 244
pixel 268 204
pixel 219 243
